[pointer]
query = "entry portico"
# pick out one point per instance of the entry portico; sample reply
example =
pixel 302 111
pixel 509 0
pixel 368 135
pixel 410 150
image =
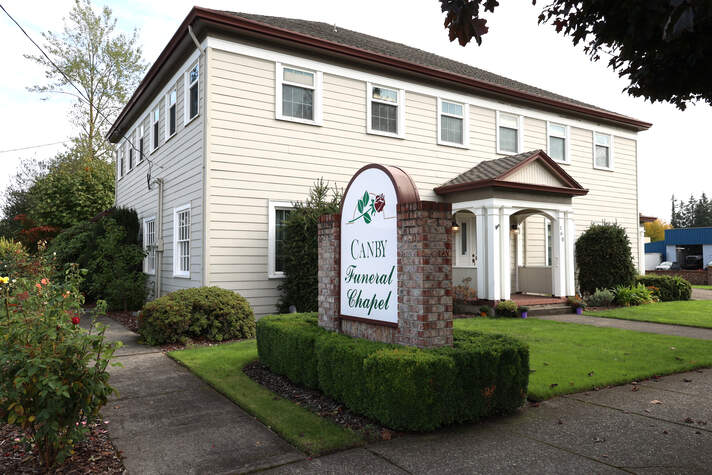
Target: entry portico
pixel 490 202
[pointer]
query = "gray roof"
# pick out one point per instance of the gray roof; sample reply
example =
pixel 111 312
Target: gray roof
pixel 491 169
pixel 402 52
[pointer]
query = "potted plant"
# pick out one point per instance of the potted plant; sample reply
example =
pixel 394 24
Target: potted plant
pixel 486 311
pixel 523 311
pixel 577 304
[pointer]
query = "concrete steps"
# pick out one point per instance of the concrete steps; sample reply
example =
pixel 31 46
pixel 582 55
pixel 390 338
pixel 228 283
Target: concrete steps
pixel 549 309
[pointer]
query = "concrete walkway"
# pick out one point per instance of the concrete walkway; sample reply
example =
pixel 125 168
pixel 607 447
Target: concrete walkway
pixel 646 327
pixel 701 294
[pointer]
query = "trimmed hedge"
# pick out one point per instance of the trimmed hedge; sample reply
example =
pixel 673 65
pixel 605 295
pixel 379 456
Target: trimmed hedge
pixel 669 287
pixel 211 313
pixel 404 388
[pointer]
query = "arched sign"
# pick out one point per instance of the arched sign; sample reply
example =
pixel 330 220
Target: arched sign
pixel 369 243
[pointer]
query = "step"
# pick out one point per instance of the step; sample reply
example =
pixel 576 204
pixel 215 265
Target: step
pixel 553 309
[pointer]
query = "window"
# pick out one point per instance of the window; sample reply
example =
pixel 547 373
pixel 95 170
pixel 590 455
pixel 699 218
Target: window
pixel 452 123
pixel 278 214
pixel 508 133
pixel 140 142
pixel 298 95
pixel 602 153
pixel 149 244
pixel 558 142
pixel 156 117
pixel 181 241
pixel 129 146
pixel 549 245
pixel 191 94
pixel 386 112
pixel 171 114
pixel 120 161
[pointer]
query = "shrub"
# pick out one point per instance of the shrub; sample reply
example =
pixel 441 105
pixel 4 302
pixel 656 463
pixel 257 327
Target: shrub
pixel 670 287
pixel 603 258
pixel 601 298
pixel 633 295
pixel 402 387
pixel 15 261
pixel 300 248
pixel 487 310
pixel 209 313
pixel 506 308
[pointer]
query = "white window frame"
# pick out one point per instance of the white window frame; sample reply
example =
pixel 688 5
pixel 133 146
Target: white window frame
pixel 120 152
pixel 146 269
pixel 155 132
pixel 610 151
pixel 520 133
pixel 140 134
pixel 317 88
pixel 168 113
pixel 176 258
pixel 130 156
pixel 187 84
pixel 272 235
pixel 567 149
pixel 465 123
pixel 400 105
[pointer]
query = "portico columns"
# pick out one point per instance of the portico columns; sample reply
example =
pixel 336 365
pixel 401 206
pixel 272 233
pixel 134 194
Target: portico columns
pixel 493 254
pixel 481 251
pixel 562 236
pixel 570 236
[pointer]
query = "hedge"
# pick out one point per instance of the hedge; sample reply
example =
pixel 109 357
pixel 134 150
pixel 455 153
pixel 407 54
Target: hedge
pixel 603 258
pixel 404 388
pixel 670 287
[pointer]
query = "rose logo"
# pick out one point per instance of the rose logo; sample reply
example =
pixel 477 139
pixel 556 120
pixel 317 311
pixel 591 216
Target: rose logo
pixel 368 206
pixel 379 202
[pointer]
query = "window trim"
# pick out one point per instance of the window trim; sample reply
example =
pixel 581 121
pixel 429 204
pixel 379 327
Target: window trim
pixel 400 105
pixel 520 132
pixel 155 133
pixel 176 264
pixel 140 134
pixel 548 242
pixel 610 167
pixel 567 141
pixel 316 107
pixel 465 123
pixel 120 162
pixel 168 114
pixel 273 206
pixel 186 93
pixel 145 245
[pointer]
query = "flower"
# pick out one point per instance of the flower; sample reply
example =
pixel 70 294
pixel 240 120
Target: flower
pixel 380 202
pixel 39 286
pixel 4 280
pixel 75 320
pixel 44 281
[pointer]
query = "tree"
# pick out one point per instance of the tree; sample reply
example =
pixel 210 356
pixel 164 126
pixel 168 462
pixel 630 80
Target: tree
pixel 105 67
pixel 693 214
pixel 655 230
pixel 603 258
pixel 663 46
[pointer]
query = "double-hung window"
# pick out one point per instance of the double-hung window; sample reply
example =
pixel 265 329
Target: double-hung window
pixel 149 244
pixel 129 146
pixel 298 94
pixel 278 213
pixel 190 104
pixel 120 161
pixel 452 123
pixel 558 140
pixel 386 111
pixel 602 151
pixel 156 116
pixel 181 241
pixel 509 133
pixel 170 114
pixel 140 141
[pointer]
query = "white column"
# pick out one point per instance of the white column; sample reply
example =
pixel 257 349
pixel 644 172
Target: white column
pixel 558 258
pixel 505 256
pixel 570 235
pixel 481 251
pixel 493 267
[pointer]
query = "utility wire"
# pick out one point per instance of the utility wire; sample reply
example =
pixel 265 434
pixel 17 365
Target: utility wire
pixel 33 146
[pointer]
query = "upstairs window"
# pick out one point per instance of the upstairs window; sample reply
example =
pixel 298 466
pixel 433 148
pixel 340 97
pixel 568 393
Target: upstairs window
pixel 140 142
pixel 181 241
pixel 453 123
pixel 191 93
pixel 602 156
pixel 386 112
pixel 120 161
pixel 558 142
pixel 129 145
pixel 156 117
pixel 171 114
pixel 149 244
pixel 508 133
pixel 298 95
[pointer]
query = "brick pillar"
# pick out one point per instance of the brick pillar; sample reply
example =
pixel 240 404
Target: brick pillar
pixel 329 236
pixel 424 274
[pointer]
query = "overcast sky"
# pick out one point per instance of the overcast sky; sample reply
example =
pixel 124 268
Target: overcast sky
pixel 673 156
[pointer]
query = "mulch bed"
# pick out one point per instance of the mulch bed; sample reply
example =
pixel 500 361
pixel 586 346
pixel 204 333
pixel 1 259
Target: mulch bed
pixel 317 403
pixel 127 319
pixel 95 454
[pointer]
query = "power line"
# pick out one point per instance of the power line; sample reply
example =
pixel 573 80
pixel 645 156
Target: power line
pixel 33 146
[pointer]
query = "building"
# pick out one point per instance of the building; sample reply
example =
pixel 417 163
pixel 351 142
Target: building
pixel 241 113
pixel 691 248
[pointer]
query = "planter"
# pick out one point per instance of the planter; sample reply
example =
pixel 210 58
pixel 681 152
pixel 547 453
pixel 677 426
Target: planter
pixel 524 314
pixel 483 314
pixel 579 310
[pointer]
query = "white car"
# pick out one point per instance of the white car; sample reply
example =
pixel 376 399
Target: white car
pixel 667 265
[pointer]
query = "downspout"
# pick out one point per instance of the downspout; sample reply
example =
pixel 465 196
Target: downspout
pixel 159 237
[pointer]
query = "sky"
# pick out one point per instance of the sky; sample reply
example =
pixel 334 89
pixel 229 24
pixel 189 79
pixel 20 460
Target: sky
pixel 672 155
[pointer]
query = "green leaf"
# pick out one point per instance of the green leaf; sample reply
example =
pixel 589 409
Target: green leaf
pixel 367 218
pixel 359 205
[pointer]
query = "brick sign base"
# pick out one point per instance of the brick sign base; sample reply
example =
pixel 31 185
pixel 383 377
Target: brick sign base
pixel 425 305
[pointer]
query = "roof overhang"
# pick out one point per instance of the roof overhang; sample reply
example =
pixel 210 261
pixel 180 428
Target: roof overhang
pixel 231 23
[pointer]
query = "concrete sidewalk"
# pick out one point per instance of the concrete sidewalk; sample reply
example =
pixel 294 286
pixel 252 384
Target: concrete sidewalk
pixel 701 294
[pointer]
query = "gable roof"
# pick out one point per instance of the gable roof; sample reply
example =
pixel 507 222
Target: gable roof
pixel 497 173
pixel 359 47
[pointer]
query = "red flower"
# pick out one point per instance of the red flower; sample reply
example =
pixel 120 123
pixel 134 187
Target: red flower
pixel 380 202
pixel 75 320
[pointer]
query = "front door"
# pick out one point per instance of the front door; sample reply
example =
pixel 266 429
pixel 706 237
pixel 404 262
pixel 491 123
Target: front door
pixel 465 245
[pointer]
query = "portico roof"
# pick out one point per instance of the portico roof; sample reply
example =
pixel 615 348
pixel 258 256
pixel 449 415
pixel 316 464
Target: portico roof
pixel 531 171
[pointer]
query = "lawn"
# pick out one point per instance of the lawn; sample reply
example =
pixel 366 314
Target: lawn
pixel 692 313
pixel 703 287
pixel 221 367
pixel 567 358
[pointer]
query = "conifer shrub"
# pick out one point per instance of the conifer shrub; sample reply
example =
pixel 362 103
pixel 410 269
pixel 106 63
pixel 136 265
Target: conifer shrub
pixel 603 258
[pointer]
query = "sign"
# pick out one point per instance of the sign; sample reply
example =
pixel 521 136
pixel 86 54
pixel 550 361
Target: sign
pixel 369 248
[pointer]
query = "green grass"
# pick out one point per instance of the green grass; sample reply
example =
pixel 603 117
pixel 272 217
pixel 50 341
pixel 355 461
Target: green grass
pixel 703 287
pixel 691 313
pixel 577 357
pixel 221 367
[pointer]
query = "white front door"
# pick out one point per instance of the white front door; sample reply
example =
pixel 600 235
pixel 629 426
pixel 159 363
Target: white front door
pixel 465 241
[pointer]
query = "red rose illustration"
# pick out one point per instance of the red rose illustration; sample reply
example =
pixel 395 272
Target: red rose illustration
pixel 75 320
pixel 380 202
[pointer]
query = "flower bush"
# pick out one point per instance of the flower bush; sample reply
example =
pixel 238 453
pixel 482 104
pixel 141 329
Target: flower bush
pixel 576 302
pixel 53 376
pixel 506 308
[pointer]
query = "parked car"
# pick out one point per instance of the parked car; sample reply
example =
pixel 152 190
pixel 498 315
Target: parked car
pixel 668 265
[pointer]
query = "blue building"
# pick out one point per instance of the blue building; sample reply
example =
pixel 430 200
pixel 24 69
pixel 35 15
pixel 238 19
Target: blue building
pixel 690 247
